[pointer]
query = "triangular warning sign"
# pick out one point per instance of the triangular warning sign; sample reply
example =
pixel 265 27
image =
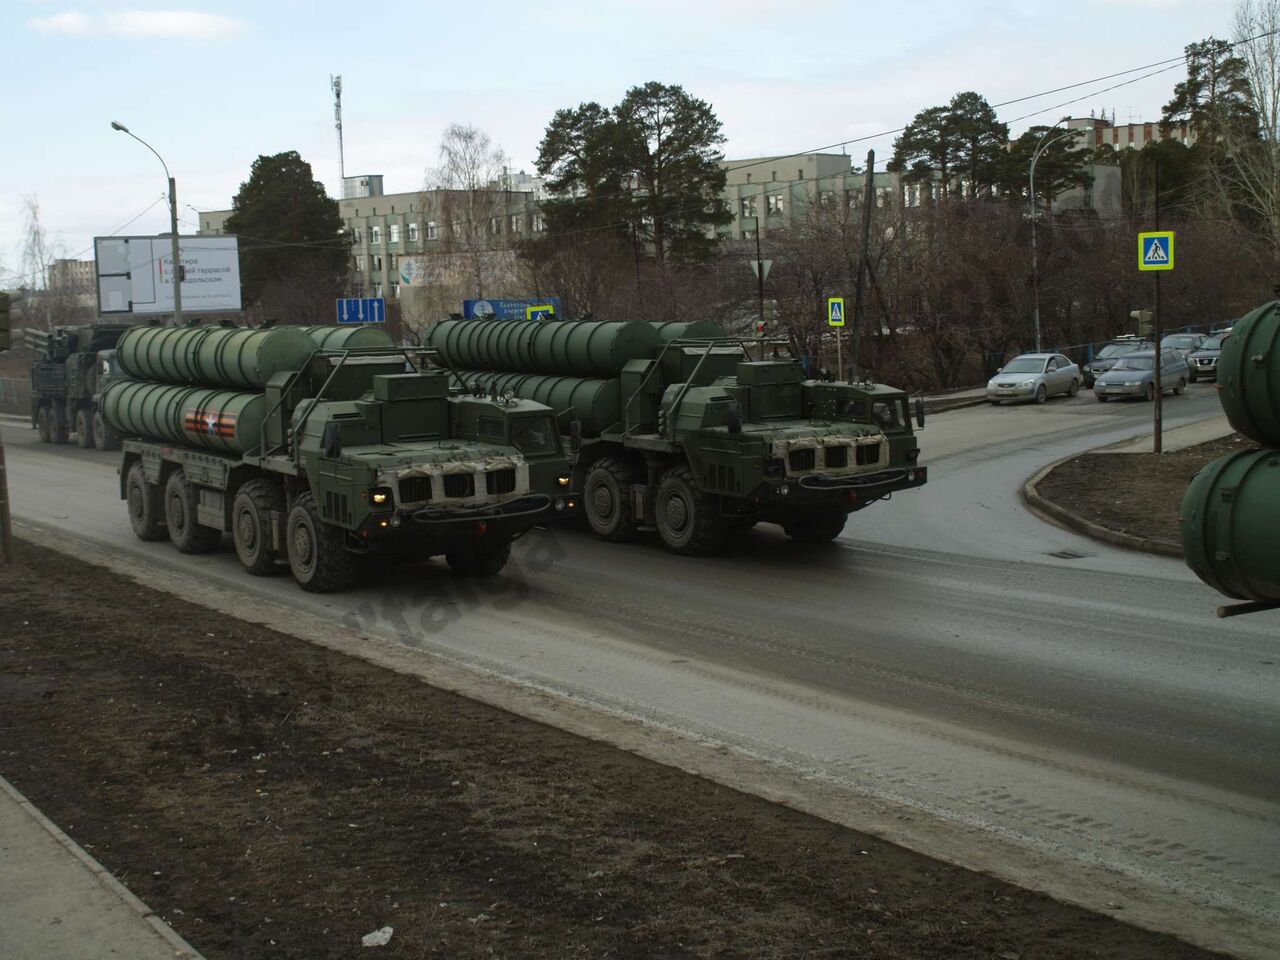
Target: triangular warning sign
pixel 1155 252
pixel 837 312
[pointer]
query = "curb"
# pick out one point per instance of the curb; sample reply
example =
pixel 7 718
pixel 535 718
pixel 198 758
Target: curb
pixel 1047 509
pixel 182 949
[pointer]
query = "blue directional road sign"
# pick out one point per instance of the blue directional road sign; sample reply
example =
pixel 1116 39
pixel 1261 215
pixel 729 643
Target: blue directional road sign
pixel 362 310
pixel 1155 250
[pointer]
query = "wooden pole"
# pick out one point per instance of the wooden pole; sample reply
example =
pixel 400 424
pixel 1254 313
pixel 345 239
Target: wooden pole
pixel 864 260
pixel 6 526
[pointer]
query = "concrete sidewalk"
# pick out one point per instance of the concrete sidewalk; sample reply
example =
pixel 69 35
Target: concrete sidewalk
pixel 1179 438
pixel 57 901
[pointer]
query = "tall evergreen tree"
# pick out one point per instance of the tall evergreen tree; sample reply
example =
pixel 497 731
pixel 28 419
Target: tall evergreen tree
pixel 1215 97
pixel 1062 164
pixel 288 228
pixel 961 144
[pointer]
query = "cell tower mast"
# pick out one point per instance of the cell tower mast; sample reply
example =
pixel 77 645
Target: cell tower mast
pixel 336 84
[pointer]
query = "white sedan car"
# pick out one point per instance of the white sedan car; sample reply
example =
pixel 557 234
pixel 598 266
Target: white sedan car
pixel 1034 376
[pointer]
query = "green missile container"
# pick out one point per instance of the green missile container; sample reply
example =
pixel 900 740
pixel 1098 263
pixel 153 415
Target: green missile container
pixel 238 358
pixel 349 337
pixel 692 330
pixel 222 420
pixel 596 404
pixel 1249 375
pixel 1231 525
pixel 567 348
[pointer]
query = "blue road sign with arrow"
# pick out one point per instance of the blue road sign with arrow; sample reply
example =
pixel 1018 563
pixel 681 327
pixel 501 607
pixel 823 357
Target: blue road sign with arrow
pixel 362 310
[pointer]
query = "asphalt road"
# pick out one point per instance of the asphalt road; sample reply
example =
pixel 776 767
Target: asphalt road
pixel 1002 682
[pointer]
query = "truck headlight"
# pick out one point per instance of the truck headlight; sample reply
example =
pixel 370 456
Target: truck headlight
pixel 564 480
pixel 380 496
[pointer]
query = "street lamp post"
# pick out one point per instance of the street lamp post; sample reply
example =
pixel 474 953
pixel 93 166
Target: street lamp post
pixel 173 223
pixel 1035 212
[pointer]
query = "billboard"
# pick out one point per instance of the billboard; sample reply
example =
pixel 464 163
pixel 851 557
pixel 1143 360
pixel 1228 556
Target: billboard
pixel 506 308
pixel 135 274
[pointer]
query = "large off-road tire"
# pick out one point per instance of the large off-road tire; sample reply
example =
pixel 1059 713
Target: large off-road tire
pixel 318 555
pixel 44 424
pixel 607 501
pixel 251 526
pixel 480 562
pixel 821 525
pixel 59 429
pixel 181 500
pixel 688 520
pixel 104 438
pixel 143 501
pixel 1042 393
pixel 84 429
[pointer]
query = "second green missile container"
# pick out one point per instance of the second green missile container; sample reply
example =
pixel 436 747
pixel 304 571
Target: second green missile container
pixel 688 330
pixel 1231 525
pixel 1249 375
pixel 237 358
pixel 350 337
pixel 224 420
pixel 568 348
pixel 596 403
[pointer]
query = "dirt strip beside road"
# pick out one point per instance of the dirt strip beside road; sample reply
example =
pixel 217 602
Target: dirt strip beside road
pixel 270 798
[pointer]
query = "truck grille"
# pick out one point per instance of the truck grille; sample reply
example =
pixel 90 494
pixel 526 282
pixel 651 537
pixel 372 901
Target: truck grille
pixel 415 490
pixel 459 485
pixel 835 458
pixel 868 454
pixel 500 481
pixel 803 459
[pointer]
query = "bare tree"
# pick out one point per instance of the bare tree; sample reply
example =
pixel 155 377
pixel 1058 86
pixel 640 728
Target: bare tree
pixel 49 299
pixel 467 194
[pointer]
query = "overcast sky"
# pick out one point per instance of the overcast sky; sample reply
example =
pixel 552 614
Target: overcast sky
pixel 211 86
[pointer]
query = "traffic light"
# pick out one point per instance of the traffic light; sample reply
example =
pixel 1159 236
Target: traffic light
pixel 4 321
pixel 1146 321
pixel 771 314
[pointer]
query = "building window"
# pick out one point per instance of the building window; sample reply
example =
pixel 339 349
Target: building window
pixel 800 174
pixel 393 233
pixel 539 223
pixel 455 228
pixel 773 174
pixel 375 236
pixel 517 223
pixel 376 260
pixel 357 236
pixel 395 291
pixel 748 206
pixel 377 289
pixel 359 262
pixel 748 234
pixel 433 230
pixel 748 176
pixel 393 261
pixel 494 226
pixel 775 204
pixel 413 233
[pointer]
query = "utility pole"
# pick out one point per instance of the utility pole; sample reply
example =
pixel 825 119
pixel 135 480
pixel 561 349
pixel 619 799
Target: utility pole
pixel 1158 412
pixel 864 261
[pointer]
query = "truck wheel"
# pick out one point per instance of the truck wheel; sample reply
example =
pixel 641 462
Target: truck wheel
pixel 58 426
pixel 143 500
pixel 104 438
pixel 607 502
pixel 479 563
pixel 318 557
pixel 84 429
pixel 43 425
pixel 816 526
pixel 181 498
pixel 687 518
pixel 251 526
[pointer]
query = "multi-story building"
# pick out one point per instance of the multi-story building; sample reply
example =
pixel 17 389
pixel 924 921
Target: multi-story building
pixel 71 276
pixel 1101 132
pixel 396 235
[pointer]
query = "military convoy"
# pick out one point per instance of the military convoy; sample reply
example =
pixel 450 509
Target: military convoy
pixel 1230 532
pixel 696 434
pixel 315 447
pixel 75 362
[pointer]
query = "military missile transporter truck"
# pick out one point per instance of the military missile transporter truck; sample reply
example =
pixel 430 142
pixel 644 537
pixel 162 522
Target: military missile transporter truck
pixel 66 382
pixel 694 433
pixel 316 446
pixel 1231 511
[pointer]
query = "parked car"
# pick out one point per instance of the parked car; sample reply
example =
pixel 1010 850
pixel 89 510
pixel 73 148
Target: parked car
pixel 1034 376
pixel 1185 343
pixel 1108 354
pixel 1134 375
pixel 1204 361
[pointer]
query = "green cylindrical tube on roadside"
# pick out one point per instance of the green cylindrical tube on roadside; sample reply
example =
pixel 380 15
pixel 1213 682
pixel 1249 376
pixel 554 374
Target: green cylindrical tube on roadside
pixel 224 420
pixel 568 348
pixel 1249 375
pixel 593 403
pixel 348 337
pixel 1231 525
pixel 237 358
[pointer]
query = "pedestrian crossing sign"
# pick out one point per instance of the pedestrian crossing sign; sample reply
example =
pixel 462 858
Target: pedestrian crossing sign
pixel 1155 250
pixel 835 311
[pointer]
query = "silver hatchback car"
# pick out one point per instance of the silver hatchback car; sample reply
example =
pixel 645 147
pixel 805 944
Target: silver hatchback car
pixel 1034 376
